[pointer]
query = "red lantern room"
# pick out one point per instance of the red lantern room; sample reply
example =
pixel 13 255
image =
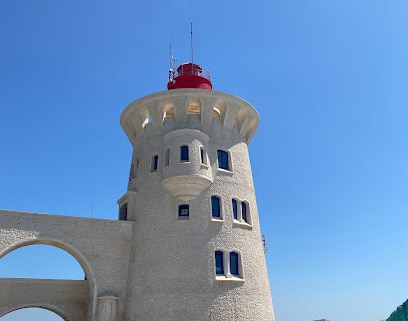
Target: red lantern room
pixel 189 75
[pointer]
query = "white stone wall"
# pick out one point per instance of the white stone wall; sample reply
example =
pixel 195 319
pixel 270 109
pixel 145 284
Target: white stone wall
pixel 172 274
pixel 101 247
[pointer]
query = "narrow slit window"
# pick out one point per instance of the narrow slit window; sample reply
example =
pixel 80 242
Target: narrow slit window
pixel 234 266
pixel 203 156
pixel 244 212
pixel 235 209
pixel 123 212
pixel 184 210
pixel 184 154
pixel 155 163
pixel 215 207
pixel 219 263
pixel 223 160
pixel 167 157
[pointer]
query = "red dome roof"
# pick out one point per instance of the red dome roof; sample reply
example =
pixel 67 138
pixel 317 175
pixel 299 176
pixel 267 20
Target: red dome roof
pixel 189 75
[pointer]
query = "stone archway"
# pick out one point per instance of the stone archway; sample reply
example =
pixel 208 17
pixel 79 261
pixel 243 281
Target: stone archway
pixel 101 247
pixel 23 308
pixel 70 299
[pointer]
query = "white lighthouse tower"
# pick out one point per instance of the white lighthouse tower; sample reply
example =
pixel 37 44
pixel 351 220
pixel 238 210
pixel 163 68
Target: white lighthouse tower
pixel 197 249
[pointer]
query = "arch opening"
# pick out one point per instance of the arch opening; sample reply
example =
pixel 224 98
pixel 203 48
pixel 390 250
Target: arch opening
pixel 41 261
pixel 32 314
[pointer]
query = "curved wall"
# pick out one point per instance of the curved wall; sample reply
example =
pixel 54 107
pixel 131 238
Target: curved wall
pixel 173 271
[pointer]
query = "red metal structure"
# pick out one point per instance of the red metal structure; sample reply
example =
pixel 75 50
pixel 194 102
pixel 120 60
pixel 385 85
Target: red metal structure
pixel 189 75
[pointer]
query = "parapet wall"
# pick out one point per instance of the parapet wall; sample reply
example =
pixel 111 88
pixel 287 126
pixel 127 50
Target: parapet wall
pixel 181 103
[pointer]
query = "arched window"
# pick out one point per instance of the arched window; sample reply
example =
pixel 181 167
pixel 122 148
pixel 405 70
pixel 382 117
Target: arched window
pixel 234 264
pixel 215 207
pixel 223 160
pixel 235 209
pixel 232 270
pixel 241 211
pixel 219 263
pixel 244 212
pixel 184 154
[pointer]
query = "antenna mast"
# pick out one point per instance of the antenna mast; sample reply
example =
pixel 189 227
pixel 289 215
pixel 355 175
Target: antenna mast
pixel 172 67
pixel 191 34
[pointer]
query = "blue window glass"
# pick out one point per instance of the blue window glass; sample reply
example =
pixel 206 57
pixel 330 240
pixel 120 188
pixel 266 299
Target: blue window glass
pixel 215 207
pixel 184 210
pixel 234 268
pixel 184 154
pixel 244 212
pixel 223 159
pixel 219 263
pixel 235 209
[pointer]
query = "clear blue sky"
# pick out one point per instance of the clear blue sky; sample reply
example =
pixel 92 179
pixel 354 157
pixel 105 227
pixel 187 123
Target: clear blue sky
pixel 330 159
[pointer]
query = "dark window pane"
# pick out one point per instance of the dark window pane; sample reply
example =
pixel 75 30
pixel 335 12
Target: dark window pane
pixel 184 153
pixel 202 155
pixel 244 212
pixel 123 212
pixel 219 263
pixel 234 263
pixel 223 159
pixel 155 162
pixel 215 206
pixel 184 210
pixel 167 157
pixel 235 209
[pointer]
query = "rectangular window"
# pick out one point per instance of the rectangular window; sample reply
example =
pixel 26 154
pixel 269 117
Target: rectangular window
pixel 223 161
pixel 235 209
pixel 244 212
pixel 219 263
pixel 215 207
pixel 155 163
pixel 167 157
pixel 123 212
pixel 184 154
pixel 184 210
pixel 203 156
pixel 234 267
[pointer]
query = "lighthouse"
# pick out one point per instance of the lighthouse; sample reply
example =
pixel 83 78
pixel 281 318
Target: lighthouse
pixel 197 251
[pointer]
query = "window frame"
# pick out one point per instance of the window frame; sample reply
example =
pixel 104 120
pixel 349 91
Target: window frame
pixel 224 160
pixel 167 157
pixel 184 154
pixel 203 156
pixel 234 205
pixel 154 166
pixel 182 207
pixel 234 269
pixel 219 264
pixel 217 208
pixel 243 215
pixel 228 266
pixel 123 212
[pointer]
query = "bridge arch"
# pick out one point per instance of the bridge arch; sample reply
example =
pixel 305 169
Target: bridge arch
pixel 66 312
pixel 44 306
pixel 76 254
